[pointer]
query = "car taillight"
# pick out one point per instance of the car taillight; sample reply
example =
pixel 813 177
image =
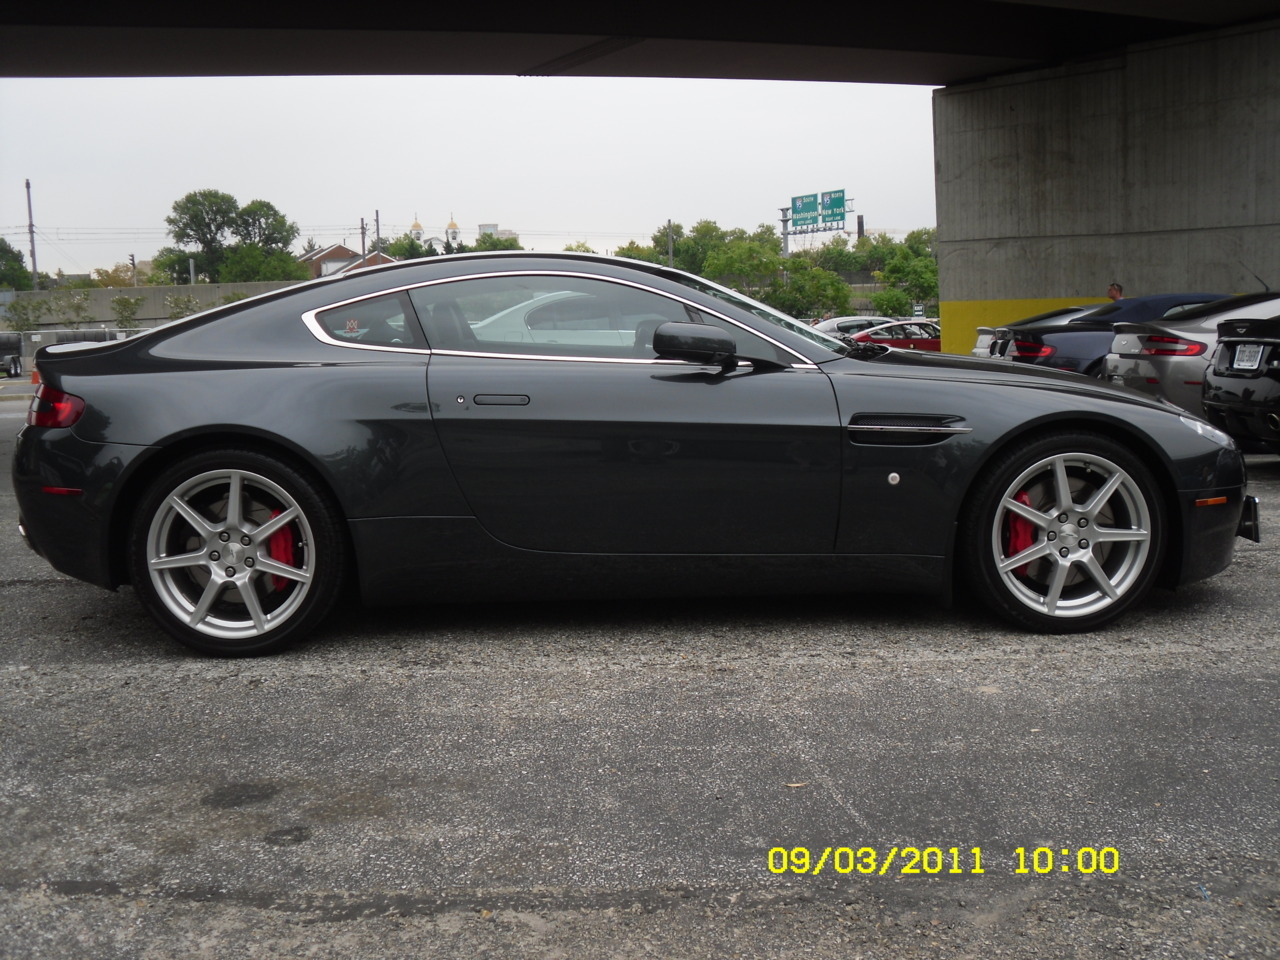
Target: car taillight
pixel 1154 345
pixel 1025 350
pixel 53 408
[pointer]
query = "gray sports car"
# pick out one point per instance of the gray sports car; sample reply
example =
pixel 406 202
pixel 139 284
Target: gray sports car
pixel 525 425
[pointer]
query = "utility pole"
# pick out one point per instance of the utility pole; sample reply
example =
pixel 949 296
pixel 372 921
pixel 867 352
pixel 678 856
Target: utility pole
pixel 31 233
pixel 364 232
pixel 377 231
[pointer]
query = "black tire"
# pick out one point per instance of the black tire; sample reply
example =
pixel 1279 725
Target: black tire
pixel 15 367
pixel 1086 520
pixel 236 581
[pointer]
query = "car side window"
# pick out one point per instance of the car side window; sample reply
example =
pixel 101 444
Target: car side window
pixel 747 344
pixel 386 321
pixel 543 316
pixel 562 316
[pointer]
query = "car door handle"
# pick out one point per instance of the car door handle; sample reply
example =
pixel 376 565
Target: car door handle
pixel 501 399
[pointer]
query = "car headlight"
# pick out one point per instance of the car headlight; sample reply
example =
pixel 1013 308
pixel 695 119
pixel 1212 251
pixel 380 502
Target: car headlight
pixel 1207 430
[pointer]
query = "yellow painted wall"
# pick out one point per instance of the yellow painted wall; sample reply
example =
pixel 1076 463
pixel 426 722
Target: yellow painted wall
pixel 962 318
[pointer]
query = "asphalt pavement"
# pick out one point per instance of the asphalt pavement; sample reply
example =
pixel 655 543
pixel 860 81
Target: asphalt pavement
pixel 870 777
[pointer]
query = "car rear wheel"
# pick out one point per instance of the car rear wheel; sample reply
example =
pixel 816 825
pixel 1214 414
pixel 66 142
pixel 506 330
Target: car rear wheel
pixel 236 553
pixel 15 367
pixel 1065 534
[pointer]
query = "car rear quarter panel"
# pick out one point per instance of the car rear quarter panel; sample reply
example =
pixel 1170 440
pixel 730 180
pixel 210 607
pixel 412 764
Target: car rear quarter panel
pixel 365 428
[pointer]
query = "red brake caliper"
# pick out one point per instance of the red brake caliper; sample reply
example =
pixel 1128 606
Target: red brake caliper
pixel 280 549
pixel 1022 532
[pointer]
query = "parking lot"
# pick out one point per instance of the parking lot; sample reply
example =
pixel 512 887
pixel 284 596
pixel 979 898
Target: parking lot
pixel 643 779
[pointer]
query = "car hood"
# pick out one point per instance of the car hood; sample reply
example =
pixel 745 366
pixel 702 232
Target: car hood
pixel 967 369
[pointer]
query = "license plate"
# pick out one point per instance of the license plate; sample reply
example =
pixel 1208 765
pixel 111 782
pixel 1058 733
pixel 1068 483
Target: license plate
pixel 1247 356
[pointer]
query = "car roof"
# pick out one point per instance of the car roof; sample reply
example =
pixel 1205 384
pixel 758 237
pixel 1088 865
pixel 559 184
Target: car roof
pixel 1227 304
pixel 1152 306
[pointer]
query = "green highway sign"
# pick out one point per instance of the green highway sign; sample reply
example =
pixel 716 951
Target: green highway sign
pixel 832 206
pixel 817 212
pixel 804 210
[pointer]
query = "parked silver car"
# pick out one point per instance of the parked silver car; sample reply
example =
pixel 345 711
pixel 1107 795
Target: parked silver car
pixel 1167 357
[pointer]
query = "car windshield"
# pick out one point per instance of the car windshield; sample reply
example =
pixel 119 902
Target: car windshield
pixel 775 317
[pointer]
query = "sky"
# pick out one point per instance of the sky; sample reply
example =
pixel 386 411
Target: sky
pixel 555 159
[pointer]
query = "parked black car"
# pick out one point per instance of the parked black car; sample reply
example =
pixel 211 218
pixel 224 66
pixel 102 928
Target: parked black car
pixel 1079 342
pixel 524 425
pixel 1242 382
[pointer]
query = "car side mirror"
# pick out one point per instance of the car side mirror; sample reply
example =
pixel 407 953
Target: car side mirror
pixel 696 343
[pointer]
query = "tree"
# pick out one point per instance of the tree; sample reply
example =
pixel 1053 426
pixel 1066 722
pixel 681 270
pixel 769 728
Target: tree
pixel 77 282
pixel 169 266
pixel 891 303
pixel 634 251
pixel 125 310
pixel 921 242
pixel 24 314
pixel 491 241
pixel 408 247
pixel 203 219
pixel 14 274
pixel 804 290
pixel 121 275
pixel 917 277
pixel 692 249
pixel 872 253
pixel 745 265
pixel 216 225
pixel 250 262
pixel 578 246
pixel 261 224
pixel 181 305
pixel 834 255
pixel 70 307
pixel 912 269
pixel 749 262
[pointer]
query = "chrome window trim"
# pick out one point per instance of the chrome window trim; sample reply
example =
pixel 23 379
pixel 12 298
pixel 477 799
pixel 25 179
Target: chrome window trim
pixel 312 323
pixel 559 358
pixel 910 428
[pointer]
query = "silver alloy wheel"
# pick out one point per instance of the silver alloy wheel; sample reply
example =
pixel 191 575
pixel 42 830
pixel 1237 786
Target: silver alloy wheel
pixel 229 553
pixel 1072 535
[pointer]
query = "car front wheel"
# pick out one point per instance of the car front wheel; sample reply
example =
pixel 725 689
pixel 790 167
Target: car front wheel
pixel 1065 534
pixel 236 553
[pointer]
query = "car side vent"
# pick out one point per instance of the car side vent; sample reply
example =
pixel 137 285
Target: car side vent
pixel 903 429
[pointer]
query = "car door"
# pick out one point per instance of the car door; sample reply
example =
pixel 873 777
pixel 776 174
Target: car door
pixel 590 446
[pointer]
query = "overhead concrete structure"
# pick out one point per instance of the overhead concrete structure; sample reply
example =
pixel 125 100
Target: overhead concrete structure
pixel 1157 167
pixel 934 42
pixel 1077 141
